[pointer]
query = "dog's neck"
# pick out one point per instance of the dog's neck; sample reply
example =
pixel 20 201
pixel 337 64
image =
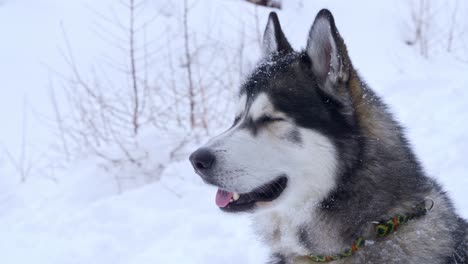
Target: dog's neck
pixel 288 231
pixel 284 226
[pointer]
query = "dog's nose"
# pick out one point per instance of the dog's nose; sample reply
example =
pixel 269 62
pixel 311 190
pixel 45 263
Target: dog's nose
pixel 202 159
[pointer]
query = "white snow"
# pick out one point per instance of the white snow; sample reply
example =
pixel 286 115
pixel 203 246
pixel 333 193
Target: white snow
pixel 82 218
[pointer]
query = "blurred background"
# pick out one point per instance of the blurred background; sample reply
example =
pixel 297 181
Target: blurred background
pixel 102 101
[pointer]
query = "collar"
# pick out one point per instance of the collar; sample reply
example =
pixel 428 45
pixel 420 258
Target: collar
pixel 382 229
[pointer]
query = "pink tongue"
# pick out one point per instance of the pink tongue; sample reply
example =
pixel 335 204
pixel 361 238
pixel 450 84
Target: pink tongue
pixel 223 197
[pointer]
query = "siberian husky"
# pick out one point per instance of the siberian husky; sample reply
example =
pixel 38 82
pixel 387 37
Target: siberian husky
pixel 322 165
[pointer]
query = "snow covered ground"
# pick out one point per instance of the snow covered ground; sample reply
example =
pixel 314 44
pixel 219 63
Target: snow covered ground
pixel 81 218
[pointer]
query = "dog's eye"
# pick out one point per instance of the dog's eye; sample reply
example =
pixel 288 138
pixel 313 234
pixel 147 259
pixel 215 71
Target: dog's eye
pixel 269 119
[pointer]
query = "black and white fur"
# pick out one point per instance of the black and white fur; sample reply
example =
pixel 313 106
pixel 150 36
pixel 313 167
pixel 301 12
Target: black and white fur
pixel 308 117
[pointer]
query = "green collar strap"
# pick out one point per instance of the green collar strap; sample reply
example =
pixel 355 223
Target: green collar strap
pixel 382 229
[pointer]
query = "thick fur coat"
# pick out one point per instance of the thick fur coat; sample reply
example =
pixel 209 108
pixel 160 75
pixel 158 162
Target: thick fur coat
pixel 317 159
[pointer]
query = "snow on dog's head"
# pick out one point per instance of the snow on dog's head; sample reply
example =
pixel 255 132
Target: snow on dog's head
pixel 292 125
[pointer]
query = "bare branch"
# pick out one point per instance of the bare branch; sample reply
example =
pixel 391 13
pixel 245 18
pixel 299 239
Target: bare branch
pixel 267 3
pixel 188 65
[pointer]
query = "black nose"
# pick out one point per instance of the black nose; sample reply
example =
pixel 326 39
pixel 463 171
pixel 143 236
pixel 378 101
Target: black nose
pixel 202 159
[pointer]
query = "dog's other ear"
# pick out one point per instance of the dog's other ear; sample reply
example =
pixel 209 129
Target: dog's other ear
pixel 327 52
pixel 273 38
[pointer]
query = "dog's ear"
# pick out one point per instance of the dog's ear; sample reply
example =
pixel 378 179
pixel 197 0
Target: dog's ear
pixel 273 38
pixel 327 52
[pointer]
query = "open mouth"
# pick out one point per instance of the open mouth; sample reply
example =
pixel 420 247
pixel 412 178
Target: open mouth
pixel 237 202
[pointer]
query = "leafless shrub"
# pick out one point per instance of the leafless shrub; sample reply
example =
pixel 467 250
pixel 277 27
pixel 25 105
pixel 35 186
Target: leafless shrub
pixel 22 164
pixel 452 26
pixel 422 16
pixel 107 109
pixel 27 162
pixel 436 26
pixel 168 84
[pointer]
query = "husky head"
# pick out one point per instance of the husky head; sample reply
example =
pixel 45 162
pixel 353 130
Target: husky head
pixel 294 128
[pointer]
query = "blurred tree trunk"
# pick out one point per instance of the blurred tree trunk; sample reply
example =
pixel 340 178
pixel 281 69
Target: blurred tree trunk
pixel 269 3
